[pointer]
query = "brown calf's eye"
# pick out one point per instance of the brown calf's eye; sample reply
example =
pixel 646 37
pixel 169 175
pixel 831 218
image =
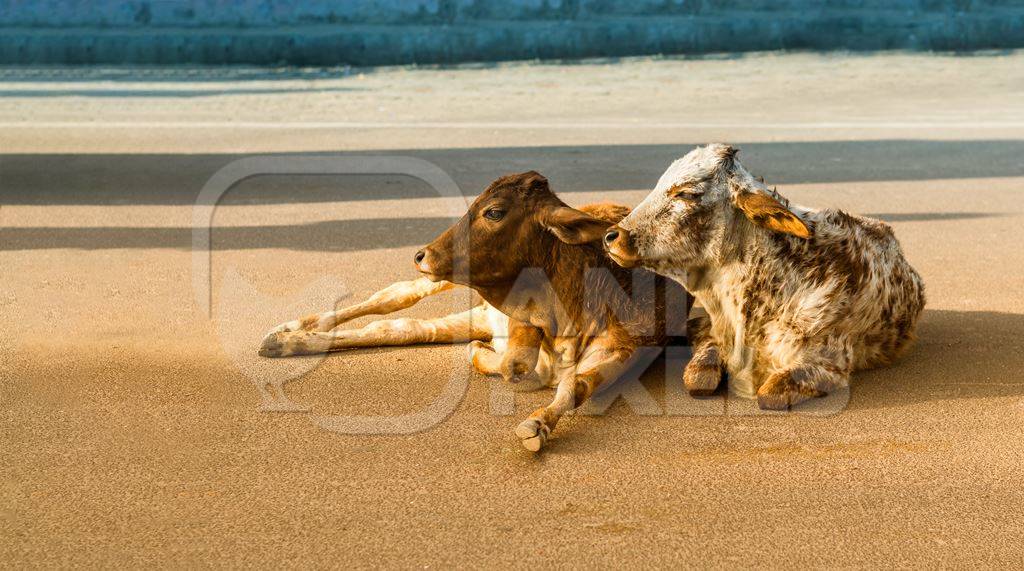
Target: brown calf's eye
pixel 494 214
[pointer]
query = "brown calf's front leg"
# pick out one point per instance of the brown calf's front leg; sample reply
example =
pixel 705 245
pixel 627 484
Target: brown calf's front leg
pixel 519 361
pixel 600 364
pixel 703 373
pixel 790 387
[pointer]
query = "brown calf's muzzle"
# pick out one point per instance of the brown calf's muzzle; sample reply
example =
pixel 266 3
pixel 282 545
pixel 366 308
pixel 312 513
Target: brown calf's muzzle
pixel 431 263
pixel 619 245
pixel 421 262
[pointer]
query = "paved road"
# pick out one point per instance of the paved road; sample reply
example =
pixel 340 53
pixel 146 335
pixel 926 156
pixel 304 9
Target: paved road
pixel 129 415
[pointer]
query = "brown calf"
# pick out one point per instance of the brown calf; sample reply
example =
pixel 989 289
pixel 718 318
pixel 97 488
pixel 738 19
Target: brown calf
pixel 556 310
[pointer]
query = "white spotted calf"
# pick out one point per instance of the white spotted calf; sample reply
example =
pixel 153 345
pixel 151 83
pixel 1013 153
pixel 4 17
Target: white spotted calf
pixel 797 298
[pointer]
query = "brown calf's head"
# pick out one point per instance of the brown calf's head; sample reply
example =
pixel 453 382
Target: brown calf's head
pixel 507 228
pixel 696 214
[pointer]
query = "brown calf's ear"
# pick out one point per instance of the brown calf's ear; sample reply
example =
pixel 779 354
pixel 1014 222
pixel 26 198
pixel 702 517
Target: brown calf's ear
pixel 533 181
pixel 769 213
pixel 574 227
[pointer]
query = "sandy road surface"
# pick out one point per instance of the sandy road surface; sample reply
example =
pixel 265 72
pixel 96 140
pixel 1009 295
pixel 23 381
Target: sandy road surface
pixel 129 424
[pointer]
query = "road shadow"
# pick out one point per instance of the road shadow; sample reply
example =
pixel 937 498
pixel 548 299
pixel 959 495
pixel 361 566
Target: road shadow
pixel 176 179
pixel 329 236
pixel 958 355
pixel 167 74
pixel 931 216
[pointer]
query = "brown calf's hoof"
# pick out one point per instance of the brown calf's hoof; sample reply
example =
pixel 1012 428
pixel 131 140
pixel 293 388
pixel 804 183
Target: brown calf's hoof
pixel 516 371
pixel 291 343
pixel 271 346
pixel 533 434
pixel 519 373
pixel 477 345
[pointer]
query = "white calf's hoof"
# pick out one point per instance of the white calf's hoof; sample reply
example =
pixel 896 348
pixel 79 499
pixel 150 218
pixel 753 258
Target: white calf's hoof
pixel 532 434
pixel 702 380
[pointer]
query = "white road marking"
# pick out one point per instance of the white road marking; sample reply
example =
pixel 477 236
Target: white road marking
pixel 660 125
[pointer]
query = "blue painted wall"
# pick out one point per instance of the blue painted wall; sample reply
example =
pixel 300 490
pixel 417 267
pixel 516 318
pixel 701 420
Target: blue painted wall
pixel 376 32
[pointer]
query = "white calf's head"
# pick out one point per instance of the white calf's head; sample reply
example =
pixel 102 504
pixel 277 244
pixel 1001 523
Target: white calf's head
pixel 698 213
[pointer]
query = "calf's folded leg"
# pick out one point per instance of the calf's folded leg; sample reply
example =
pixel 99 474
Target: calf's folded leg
pixel 484 358
pixel 790 387
pixel 520 361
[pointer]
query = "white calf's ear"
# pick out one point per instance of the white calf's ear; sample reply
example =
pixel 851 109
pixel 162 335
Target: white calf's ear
pixel 574 227
pixel 767 212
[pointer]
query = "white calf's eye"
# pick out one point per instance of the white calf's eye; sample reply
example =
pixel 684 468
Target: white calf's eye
pixel 686 192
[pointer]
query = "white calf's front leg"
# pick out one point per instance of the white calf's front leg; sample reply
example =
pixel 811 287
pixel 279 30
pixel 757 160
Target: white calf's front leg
pixel 703 373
